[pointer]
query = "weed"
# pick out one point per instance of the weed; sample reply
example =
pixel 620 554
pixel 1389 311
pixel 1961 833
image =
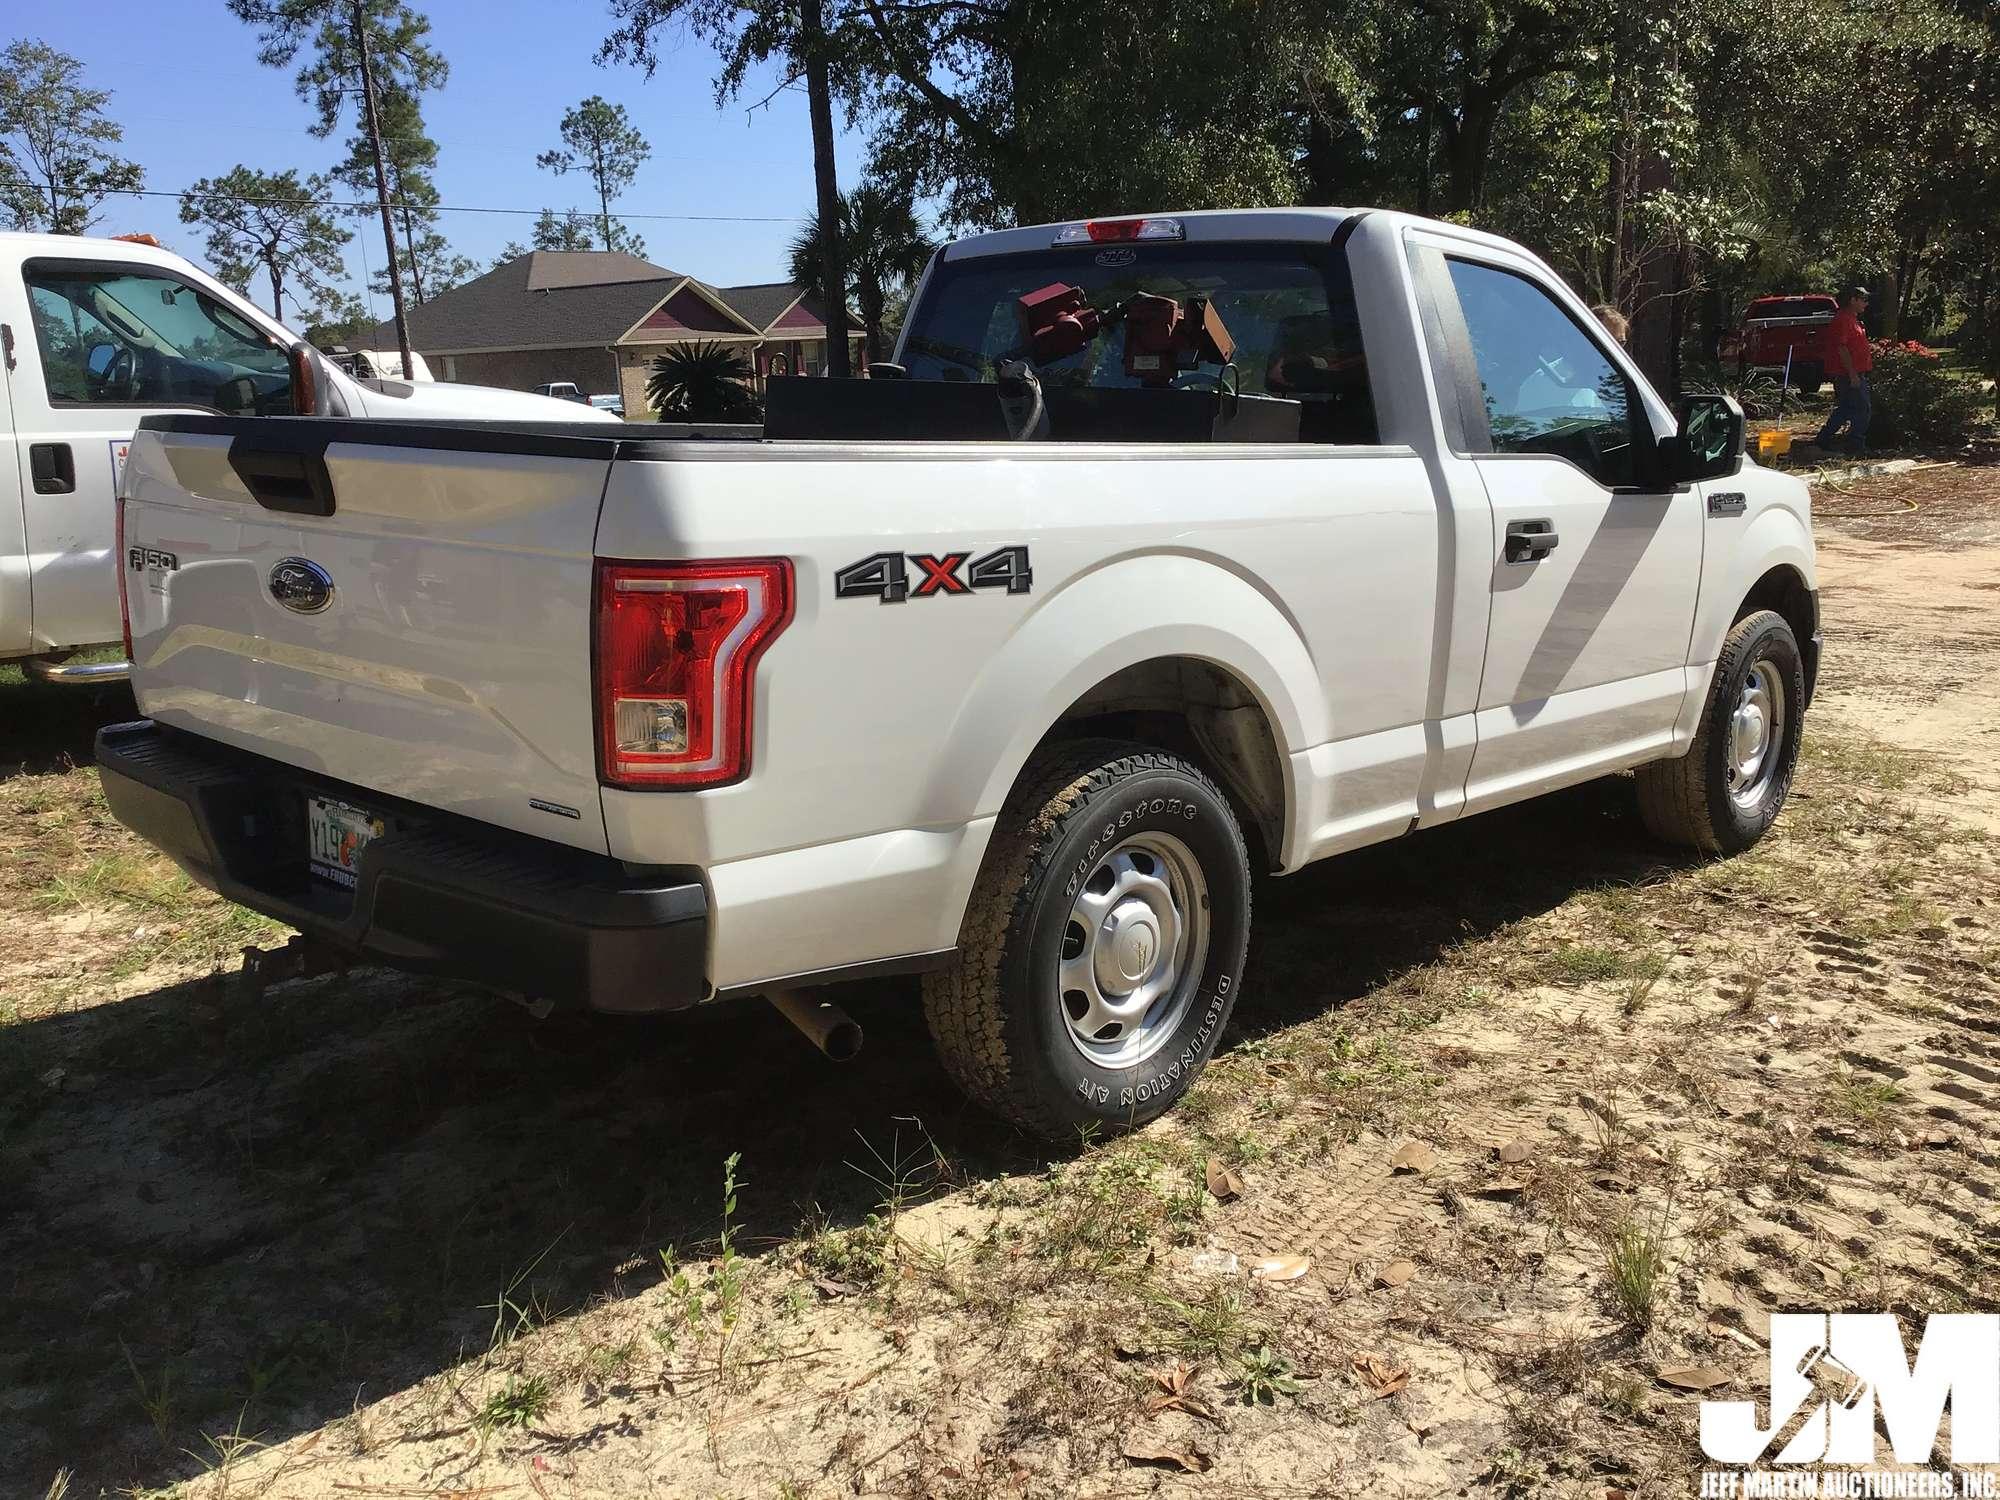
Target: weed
pixel 227 1447
pixel 1640 984
pixel 727 1278
pixel 515 1314
pixel 519 1403
pixel 1512 1473
pixel 1214 1326
pixel 608 1361
pixel 1624 1396
pixel 1635 1258
pixel 1262 1377
pixel 856 1257
pixel 1864 1100
pixel 1577 963
pixel 156 1398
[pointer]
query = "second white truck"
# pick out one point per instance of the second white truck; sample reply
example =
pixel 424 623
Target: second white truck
pixel 1187 547
pixel 94 335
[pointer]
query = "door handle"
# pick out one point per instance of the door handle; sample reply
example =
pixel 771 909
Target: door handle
pixel 52 467
pixel 1530 541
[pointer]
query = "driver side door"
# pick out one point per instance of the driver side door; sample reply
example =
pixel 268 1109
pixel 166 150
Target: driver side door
pixel 1594 573
pixel 79 388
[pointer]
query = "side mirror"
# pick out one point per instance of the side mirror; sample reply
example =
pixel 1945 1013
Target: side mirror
pixel 99 359
pixel 1711 439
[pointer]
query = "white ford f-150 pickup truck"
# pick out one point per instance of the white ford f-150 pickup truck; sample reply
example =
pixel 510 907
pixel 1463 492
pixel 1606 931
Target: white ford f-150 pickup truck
pixel 94 335
pixel 1182 548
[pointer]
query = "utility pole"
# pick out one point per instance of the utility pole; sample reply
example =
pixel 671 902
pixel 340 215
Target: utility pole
pixel 382 184
pixel 819 102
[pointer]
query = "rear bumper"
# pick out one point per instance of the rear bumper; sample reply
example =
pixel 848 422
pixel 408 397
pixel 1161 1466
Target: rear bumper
pixel 433 894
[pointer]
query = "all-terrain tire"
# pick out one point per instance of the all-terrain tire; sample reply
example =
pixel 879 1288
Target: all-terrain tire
pixel 1690 800
pixel 998 1014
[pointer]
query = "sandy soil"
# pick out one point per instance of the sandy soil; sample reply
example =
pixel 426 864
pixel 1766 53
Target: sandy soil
pixel 370 1236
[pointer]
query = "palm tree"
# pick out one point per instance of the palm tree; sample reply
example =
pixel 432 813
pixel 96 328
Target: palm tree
pixel 704 382
pixel 883 245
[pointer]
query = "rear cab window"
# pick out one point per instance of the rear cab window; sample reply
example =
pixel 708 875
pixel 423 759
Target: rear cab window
pixel 1290 310
pixel 112 335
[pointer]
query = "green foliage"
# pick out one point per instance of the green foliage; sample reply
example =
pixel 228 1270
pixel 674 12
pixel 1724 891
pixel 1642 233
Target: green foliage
pixel 272 225
pixel 1262 1377
pixel 1635 1260
pixel 1919 403
pixel 424 259
pixel 520 1403
pixel 599 141
pixel 56 159
pixel 884 250
pixel 399 53
pixel 704 382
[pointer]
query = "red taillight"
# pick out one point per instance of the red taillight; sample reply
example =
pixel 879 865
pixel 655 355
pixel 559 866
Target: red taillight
pixel 677 646
pixel 124 568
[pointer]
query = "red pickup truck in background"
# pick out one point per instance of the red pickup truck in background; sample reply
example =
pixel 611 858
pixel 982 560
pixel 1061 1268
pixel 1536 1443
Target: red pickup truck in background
pixel 1780 329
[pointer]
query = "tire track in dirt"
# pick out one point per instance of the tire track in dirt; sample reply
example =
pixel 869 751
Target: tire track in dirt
pixel 1358 1207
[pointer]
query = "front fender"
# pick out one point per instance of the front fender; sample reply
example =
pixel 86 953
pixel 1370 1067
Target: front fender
pixel 1778 534
pixel 1127 611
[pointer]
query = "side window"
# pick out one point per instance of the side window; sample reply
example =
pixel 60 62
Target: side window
pixel 1548 387
pixel 116 336
pixel 71 341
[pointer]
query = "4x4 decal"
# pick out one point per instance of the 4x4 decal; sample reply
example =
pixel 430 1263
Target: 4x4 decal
pixel 885 576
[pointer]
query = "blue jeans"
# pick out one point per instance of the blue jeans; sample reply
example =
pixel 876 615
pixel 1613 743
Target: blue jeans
pixel 1851 409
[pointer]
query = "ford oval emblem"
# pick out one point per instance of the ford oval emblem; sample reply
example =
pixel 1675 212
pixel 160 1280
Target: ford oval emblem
pixel 301 585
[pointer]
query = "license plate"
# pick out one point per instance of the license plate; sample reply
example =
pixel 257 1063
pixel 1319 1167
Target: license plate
pixel 336 833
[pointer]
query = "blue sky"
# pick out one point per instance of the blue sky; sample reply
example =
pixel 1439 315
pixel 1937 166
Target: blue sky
pixel 193 101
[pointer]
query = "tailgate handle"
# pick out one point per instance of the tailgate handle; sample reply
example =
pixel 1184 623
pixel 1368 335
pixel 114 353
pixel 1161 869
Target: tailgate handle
pixel 287 476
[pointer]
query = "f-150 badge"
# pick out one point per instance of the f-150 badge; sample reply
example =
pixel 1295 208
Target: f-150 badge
pixel 886 576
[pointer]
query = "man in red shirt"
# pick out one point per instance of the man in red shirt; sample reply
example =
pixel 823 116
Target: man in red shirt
pixel 1848 359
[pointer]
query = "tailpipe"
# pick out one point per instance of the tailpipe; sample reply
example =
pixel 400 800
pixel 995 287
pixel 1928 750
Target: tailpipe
pixel 824 1024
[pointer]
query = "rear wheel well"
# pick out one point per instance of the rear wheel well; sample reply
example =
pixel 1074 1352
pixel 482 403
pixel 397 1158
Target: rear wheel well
pixel 1199 710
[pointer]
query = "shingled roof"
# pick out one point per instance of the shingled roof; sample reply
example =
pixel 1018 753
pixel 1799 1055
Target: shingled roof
pixel 763 303
pixel 564 298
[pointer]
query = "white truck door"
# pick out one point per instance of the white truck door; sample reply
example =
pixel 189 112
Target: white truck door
pixel 107 342
pixel 16 596
pixel 1594 576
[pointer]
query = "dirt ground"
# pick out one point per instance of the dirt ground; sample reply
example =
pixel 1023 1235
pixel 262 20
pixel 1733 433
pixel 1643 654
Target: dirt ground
pixel 1550 1114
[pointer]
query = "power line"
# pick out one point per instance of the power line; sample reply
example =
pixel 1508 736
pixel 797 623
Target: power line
pixel 444 208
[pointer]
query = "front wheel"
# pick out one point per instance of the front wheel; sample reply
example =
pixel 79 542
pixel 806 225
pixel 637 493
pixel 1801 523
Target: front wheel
pixel 1727 790
pixel 1103 947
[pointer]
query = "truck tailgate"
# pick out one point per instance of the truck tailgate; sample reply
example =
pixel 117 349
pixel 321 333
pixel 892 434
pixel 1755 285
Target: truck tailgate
pixel 429 638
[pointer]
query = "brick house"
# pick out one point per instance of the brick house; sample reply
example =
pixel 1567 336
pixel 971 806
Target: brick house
pixel 596 317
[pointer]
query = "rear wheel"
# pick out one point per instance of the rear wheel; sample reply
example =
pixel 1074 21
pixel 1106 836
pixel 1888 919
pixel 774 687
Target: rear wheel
pixel 1104 944
pixel 1728 789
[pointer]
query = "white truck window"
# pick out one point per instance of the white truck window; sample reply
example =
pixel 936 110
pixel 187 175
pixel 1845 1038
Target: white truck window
pixel 1291 313
pixel 1548 387
pixel 121 337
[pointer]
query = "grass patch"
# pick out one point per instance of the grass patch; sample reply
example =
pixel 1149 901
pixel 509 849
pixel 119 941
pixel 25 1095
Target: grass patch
pixel 521 1402
pixel 1635 1260
pixel 1583 963
pixel 1863 1100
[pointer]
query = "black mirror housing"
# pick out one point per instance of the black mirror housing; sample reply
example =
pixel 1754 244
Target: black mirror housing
pixel 1711 440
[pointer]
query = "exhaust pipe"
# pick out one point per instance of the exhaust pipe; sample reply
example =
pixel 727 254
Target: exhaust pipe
pixel 42 669
pixel 824 1024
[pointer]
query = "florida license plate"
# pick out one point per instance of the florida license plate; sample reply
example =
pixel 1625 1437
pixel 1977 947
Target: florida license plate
pixel 336 833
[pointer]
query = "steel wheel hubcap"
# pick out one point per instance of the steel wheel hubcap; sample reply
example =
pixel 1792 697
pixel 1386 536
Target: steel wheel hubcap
pixel 1133 949
pixel 1756 735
